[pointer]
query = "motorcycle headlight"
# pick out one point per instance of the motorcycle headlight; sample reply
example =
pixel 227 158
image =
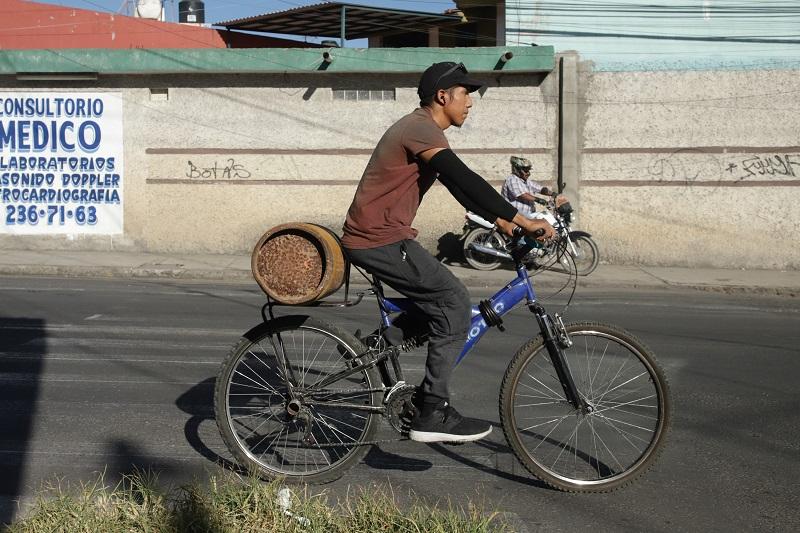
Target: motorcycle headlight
pixel 564 208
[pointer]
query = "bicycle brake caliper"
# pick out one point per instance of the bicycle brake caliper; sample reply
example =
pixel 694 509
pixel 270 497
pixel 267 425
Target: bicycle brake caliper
pixel 561 332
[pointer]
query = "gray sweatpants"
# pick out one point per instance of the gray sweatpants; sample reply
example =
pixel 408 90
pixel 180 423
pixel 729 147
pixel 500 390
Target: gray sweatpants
pixel 413 272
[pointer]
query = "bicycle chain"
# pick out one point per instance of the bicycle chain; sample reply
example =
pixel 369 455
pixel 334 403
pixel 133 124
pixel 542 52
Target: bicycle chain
pixel 344 391
pixel 357 443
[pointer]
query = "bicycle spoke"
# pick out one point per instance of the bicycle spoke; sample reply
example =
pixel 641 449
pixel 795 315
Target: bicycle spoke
pixel 252 415
pixel 339 421
pixel 598 411
pixel 265 364
pixel 609 451
pixel 257 382
pixel 566 443
pixel 612 420
pixel 540 403
pixel 557 396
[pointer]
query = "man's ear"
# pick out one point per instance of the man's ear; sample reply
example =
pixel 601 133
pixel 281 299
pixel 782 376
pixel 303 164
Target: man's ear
pixel 440 97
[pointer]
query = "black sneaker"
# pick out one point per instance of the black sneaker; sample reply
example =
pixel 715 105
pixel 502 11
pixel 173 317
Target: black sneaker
pixel 445 424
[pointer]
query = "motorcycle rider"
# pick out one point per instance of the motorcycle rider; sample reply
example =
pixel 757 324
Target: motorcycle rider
pixel 520 190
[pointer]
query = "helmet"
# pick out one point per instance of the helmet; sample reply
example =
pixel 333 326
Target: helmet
pixel 520 165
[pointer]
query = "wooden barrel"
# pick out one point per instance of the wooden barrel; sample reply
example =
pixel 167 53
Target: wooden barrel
pixel 298 263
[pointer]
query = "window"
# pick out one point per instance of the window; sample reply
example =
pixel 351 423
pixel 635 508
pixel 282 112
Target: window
pixel 363 95
pixel 159 94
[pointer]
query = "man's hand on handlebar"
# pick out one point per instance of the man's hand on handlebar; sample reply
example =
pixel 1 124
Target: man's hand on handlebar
pixel 530 226
pixel 506 227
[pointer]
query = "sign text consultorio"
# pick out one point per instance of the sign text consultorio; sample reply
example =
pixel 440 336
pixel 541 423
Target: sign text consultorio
pixel 61 163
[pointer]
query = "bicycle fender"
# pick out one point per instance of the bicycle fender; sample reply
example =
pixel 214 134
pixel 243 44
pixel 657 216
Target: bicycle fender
pixel 577 233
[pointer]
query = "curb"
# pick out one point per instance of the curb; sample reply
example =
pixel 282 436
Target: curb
pixel 470 281
pixel 123 272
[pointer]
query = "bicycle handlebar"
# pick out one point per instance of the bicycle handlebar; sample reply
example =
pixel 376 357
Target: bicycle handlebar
pixel 518 233
pixel 519 246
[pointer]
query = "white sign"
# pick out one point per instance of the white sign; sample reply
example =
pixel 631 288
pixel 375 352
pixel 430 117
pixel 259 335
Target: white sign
pixel 60 163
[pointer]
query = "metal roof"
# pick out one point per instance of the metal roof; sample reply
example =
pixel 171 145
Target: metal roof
pixel 324 20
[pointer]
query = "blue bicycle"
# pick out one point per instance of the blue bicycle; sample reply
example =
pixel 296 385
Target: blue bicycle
pixel 583 406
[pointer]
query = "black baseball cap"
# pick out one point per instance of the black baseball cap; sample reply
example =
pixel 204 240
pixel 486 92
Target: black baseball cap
pixel 443 76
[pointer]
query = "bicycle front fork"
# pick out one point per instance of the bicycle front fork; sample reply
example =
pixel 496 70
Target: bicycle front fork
pixel 555 340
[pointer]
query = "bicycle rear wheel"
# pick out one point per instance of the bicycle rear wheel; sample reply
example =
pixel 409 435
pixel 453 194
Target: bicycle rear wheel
pixel 611 443
pixel 273 416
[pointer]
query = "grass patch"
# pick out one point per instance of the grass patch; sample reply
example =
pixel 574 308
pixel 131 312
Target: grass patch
pixel 236 504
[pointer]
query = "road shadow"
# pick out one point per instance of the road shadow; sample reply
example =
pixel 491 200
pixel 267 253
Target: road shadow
pixel 23 347
pixel 130 460
pixel 198 402
pixel 449 249
pixel 382 460
pixel 504 463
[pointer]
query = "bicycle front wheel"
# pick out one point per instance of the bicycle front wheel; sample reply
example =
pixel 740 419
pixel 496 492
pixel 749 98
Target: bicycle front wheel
pixel 587 256
pixel 607 445
pixel 273 414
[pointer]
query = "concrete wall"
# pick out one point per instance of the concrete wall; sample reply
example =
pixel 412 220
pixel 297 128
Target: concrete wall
pixel 292 150
pixel 692 168
pixel 668 168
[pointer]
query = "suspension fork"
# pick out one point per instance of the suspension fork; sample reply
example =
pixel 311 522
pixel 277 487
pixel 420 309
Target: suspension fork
pixel 553 342
pixel 564 228
pixel 573 250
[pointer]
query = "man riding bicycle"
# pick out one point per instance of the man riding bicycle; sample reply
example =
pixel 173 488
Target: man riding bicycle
pixel 378 235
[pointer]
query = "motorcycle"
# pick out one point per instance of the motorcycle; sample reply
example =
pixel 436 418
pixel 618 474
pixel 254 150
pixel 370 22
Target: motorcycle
pixel 485 248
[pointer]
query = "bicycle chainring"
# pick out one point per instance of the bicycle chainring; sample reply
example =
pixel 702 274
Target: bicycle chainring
pixel 400 409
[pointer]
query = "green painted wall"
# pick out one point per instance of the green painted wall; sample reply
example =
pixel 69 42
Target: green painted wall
pixel 270 60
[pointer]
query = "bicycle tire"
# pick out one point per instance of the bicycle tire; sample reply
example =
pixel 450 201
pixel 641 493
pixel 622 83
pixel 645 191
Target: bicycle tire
pixel 615 452
pixel 478 260
pixel 251 398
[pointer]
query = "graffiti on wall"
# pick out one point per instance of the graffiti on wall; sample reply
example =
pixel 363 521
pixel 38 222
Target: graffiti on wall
pixel 230 170
pixel 687 165
pixel 693 166
pixel 760 166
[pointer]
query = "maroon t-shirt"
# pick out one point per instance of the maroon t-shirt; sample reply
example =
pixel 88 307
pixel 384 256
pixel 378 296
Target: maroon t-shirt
pixel 393 183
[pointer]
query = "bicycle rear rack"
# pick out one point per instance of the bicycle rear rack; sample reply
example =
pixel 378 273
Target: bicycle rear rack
pixel 346 302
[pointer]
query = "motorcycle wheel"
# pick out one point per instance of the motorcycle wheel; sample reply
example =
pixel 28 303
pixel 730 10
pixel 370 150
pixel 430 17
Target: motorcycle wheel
pixel 484 237
pixel 588 255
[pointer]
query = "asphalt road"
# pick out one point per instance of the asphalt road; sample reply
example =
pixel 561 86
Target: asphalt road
pixel 103 375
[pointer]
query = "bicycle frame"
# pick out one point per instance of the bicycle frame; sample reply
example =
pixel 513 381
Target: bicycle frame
pixel 517 290
pixel 503 301
pixel 514 292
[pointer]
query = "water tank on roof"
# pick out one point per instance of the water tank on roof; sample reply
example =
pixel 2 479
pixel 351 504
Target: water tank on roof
pixel 191 11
